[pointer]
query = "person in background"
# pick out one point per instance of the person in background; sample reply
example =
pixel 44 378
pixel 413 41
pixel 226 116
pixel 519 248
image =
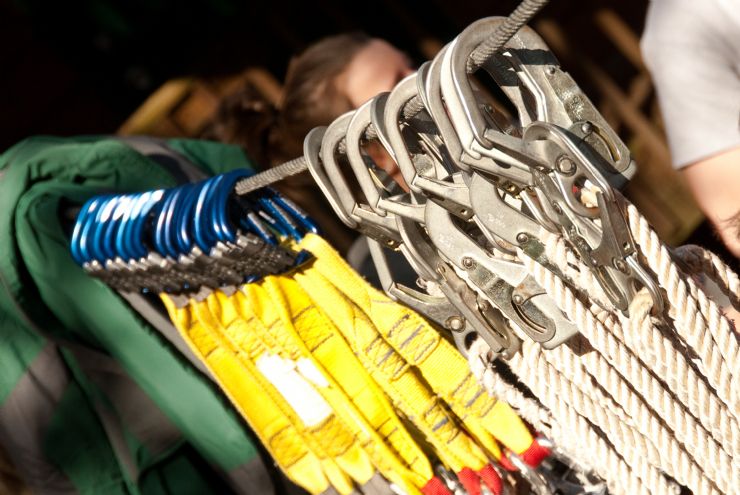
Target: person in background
pixel 331 77
pixel 692 50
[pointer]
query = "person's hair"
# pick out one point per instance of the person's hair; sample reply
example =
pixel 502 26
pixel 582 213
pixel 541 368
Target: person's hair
pixel 272 135
pixel 311 98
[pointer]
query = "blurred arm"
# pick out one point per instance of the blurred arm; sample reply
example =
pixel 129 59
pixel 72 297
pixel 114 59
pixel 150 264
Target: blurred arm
pixel 715 183
pixel 693 53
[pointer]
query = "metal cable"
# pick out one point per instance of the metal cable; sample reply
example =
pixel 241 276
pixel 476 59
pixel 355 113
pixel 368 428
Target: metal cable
pixel 521 15
pixel 414 106
pixel 272 175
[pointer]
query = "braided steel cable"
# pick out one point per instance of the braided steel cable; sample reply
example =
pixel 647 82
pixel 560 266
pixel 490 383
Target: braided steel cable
pixel 521 15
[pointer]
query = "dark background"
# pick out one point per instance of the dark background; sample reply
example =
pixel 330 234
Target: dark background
pixel 72 67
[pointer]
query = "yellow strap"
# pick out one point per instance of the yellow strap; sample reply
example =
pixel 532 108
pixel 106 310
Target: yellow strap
pixel 341 458
pixel 444 368
pixel 361 346
pixel 249 393
pixel 366 408
pixel 267 321
pixel 400 381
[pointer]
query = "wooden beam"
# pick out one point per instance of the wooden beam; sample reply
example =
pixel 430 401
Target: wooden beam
pixel 623 37
pixel 157 106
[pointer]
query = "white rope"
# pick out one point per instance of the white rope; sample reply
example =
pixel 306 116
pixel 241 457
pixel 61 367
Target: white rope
pixel 593 404
pixel 573 408
pixel 565 258
pixel 529 409
pixel 659 354
pixel 703 261
pixel 648 402
pixel 698 320
pixel 618 371
pixel 583 439
pixel 672 366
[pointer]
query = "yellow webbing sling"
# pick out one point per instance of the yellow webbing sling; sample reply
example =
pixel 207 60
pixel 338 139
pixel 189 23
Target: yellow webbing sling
pixel 254 398
pixel 221 335
pixel 403 384
pixel 322 331
pixel 295 326
pixel 350 463
pixel 444 368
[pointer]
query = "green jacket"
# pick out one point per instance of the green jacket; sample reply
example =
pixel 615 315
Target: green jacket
pixel 92 398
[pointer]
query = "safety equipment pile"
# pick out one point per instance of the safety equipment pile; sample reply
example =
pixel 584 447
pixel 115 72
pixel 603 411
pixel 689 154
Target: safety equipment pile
pixel 337 380
pixel 564 301
pixel 526 251
pixel 328 371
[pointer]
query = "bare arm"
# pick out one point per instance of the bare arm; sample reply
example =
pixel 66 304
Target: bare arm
pixel 715 183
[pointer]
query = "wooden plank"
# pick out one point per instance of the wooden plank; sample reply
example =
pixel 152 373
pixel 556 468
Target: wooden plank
pixel 166 128
pixel 631 115
pixel 157 107
pixel 640 89
pixel 623 37
pixel 259 78
pixel 193 113
pixel 268 86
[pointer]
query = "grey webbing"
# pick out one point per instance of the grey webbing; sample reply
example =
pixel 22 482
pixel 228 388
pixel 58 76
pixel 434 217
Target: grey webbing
pixel 165 327
pixel 25 415
pixel 181 169
pixel 521 15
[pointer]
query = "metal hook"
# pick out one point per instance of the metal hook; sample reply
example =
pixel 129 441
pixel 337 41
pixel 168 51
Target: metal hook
pixel 326 171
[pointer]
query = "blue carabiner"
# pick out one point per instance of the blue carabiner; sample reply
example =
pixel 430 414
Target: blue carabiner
pixel 105 228
pixel 125 242
pixel 159 234
pixel 126 221
pixel 276 226
pixel 128 240
pixel 210 217
pixel 115 224
pixel 172 220
pixel 281 217
pixel 251 223
pixel 249 219
pixel 295 211
pixel 141 240
pixel 76 241
pixel 88 228
pixel 100 226
pixel 223 204
pixel 184 218
pixel 202 227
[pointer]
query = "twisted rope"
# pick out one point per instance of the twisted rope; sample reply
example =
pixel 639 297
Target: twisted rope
pixel 657 352
pixel 709 264
pixel 583 440
pixel 698 319
pixel 529 409
pixel 667 413
pixel 621 373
